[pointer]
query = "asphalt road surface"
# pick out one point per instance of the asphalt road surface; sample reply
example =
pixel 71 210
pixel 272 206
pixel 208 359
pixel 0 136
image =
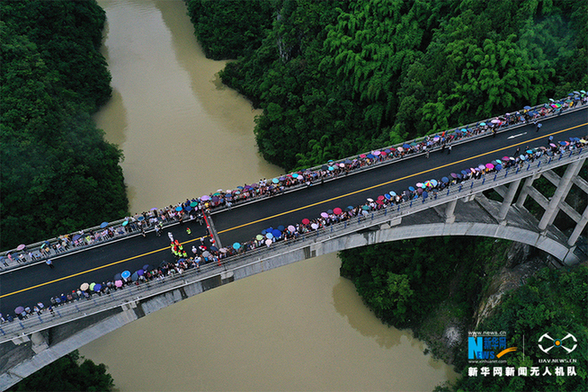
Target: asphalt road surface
pixel 35 283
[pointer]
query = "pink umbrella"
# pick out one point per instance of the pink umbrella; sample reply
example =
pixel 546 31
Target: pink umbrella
pixel 489 166
pixel 324 215
pixel 337 211
pixel 291 229
pixel 381 197
pixel 21 247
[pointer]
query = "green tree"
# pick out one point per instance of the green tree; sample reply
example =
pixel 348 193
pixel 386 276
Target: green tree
pixel 68 373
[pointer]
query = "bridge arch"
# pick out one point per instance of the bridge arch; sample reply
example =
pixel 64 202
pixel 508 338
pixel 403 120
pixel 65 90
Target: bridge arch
pixel 546 243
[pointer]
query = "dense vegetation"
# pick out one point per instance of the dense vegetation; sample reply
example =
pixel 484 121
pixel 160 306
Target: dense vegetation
pixel 403 282
pixel 335 77
pixel 68 373
pixel 58 173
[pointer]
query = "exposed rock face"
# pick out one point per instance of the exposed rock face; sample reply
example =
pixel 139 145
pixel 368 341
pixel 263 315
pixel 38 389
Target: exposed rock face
pixel 522 262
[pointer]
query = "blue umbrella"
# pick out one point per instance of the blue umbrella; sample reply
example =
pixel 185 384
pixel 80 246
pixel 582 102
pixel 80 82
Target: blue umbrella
pixel 76 237
pixel 406 145
pixel 178 208
pixel 125 223
pixel 97 287
pixel 103 225
pixel 117 276
pixel 410 188
pixel 141 218
pixel 125 274
pixel 527 108
pixel 387 196
pixel 350 208
pixel 392 193
pixel 269 236
pixel 276 233
pixel 146 267
pixel 236 245
pixel 370 156
pixel 498 167
pixel 281 227
pixel 445 180
pixel 188 208
pixel 275 180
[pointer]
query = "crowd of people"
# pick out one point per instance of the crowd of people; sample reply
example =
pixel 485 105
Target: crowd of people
pixel 156 218
pixel 205 251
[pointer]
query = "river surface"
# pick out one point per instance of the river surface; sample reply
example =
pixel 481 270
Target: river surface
pixel 300 327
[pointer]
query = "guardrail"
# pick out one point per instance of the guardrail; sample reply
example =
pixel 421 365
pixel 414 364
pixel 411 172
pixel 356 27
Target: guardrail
pixel 45 249
pixel 99 303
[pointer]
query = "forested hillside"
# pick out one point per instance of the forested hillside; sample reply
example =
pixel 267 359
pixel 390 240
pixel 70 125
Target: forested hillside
pixel 58 173
pixel 335 77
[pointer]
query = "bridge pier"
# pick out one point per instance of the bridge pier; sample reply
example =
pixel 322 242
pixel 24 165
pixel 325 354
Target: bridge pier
pixel 507 202
pixel 450 211
pixel 39 343
pixel 579 228
pixel 527 186
pixel 565 184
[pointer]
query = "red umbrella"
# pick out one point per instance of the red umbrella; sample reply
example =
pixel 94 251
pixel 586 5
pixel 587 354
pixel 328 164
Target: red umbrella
pixel 305 221
pixel 381 197
pixel 337 211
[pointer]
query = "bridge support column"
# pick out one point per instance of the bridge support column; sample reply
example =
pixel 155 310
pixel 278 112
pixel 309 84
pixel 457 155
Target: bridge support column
pixel 578 229
pixel 449 211
pixel 560 194
pixel 525 191
pixel 506 203
pixel 38 342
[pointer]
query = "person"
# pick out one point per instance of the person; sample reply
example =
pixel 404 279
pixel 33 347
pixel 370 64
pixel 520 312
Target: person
pixel 539 125
pixel 428 152
pixel 171 236
pixel 50 263
pixel 188 231
pixel 449 149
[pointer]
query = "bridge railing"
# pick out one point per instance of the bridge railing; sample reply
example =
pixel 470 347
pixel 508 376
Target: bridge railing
pixel 130 294
pixel 45 249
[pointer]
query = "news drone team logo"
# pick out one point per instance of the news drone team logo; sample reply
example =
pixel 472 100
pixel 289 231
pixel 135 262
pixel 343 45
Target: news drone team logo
pixel 488 346
pixel 547 343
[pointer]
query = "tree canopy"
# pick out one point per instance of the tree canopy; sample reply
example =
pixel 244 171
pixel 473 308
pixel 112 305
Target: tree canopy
pixel 335 77
pixel 68 373
pixel 58 172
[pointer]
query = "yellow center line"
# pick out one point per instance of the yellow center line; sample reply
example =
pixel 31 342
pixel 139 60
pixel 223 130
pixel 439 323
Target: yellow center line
pixel 294 210
pixel 395 180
